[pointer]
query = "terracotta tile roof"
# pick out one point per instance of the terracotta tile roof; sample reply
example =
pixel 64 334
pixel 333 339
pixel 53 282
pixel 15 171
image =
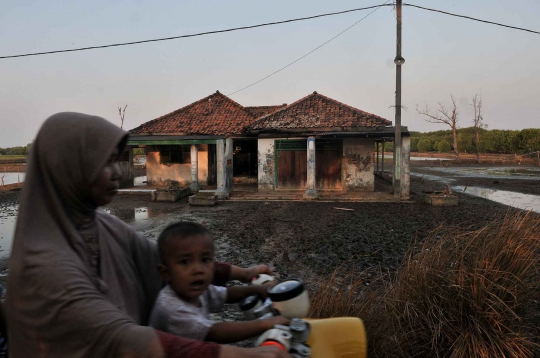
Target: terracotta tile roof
pixel 259 111
pixel 216 114
pixel 318 111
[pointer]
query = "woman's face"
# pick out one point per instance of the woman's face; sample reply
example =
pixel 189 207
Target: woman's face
pixel 108 181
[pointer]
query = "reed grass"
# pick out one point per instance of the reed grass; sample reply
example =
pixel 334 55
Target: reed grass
pixel 460 294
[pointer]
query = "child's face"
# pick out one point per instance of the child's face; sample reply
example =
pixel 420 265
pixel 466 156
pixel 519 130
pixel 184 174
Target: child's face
pixel 189 266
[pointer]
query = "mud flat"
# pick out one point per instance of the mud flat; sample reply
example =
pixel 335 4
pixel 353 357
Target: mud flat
pixel 521 179
pixel 299 239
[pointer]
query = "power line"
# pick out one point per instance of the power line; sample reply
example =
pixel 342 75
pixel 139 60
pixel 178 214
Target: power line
pixel 378 7
pixel 192 35
pixel 262 25
pixel 310 52
pixel 473 18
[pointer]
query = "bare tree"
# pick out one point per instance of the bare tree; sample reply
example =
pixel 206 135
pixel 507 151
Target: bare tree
pixel 122 114
pixel 448 116
pixel 478 121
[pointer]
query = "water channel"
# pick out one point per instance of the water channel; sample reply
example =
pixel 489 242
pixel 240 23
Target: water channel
pixel 12 178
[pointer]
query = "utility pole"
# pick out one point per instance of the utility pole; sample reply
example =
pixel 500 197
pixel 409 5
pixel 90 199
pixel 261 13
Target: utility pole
pixel 399 60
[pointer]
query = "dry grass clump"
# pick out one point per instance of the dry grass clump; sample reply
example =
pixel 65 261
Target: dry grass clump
pixel 461 294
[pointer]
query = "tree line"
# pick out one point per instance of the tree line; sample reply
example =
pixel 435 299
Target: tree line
pixel 15 150
pixel 491 141
pixel 476 139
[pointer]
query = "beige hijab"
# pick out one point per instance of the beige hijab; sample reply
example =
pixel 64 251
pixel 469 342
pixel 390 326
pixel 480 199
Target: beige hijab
pixel 55 306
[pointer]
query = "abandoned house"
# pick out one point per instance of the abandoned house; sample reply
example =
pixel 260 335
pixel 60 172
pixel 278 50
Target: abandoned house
pixel 313 144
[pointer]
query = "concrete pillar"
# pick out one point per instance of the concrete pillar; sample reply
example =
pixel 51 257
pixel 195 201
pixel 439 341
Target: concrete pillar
pixel 406 167
pixel 311 191
pixel 127 179
pixel 194 187
pixel 221 165
pixel 229 150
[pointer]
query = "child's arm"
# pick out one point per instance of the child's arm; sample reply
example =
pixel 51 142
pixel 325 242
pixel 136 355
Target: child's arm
pixel 230 332
pixel 236 294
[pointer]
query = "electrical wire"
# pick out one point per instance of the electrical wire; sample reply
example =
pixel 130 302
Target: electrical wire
pixel 192 35
pixel 473 18
pixel 261 25
pixel 385 4
pixel 309 53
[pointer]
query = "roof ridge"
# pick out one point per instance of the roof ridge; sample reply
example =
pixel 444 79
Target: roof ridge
pixel 272 105
pixel 175 111
pixel 282 109
pixel 217 93
pixel 356 112
pixel 345 105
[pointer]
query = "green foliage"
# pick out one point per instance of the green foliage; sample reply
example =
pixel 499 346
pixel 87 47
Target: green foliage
pixel 444 147
pixel 20 151
pixel 414 144
pixel 424 145
pixel 491 141
pixel 138 151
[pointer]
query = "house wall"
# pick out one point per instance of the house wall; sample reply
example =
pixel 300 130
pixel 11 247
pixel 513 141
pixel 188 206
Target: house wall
pixel 266 164
pixel 162 174
pixel 357 164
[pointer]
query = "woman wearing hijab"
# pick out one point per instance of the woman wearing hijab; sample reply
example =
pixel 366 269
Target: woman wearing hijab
pixel 82 282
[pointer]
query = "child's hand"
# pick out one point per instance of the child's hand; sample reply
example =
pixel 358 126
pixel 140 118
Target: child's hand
pixel 262 290
pixel 280 320
pixel 250 272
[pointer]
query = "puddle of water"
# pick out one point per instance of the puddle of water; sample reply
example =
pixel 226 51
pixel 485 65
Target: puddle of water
pixel 433 177
pixel 492 172
pixel 12 178
pixel 391 156
pixel 8 218
pixel 139 181
pixel 510 198
pixel 141 214
pixel 131 216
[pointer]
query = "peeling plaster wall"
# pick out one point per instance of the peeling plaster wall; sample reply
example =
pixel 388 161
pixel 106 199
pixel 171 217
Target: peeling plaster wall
pixel 161 174
pixel 229 150
pixel 266 164
pixel 358 164
pixel 406 167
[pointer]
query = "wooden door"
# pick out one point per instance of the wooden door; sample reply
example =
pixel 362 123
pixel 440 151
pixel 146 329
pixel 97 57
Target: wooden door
pixel 328 163
pixel 291 159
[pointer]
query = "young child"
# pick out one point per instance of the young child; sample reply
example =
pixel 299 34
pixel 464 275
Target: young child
pixel 183 306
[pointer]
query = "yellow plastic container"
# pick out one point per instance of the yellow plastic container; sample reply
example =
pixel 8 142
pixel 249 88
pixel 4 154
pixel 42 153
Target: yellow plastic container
pixel 339 337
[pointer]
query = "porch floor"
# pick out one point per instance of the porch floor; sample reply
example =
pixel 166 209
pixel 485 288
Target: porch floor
pixel 249 192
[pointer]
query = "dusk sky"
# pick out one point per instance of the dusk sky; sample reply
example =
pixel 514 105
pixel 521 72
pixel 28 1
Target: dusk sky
pixel 444 55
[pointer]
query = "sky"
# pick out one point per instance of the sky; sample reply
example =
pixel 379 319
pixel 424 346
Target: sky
pixel 444 55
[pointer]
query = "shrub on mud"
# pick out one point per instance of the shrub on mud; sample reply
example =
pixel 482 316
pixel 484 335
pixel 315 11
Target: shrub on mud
pixel 460 294
pixel 444 147
pixel 425 145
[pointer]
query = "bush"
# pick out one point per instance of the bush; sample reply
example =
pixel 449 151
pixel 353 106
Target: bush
pixel 444 147
pixel 424 145
pixel 460 294
pixel 414 144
